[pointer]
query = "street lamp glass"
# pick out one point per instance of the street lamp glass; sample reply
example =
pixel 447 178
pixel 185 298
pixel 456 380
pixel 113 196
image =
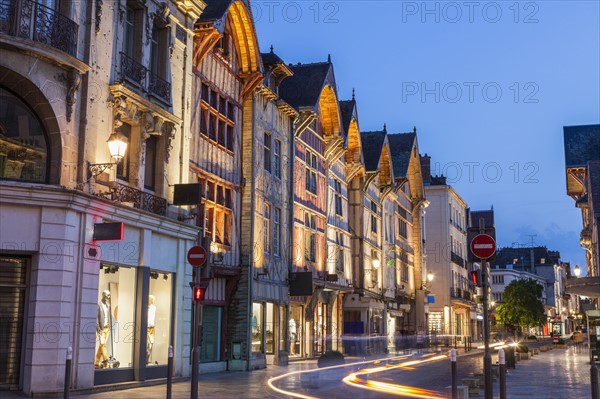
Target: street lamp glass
pixel 577 271
pixel 376 263
pixel 430 277
pixel 117 145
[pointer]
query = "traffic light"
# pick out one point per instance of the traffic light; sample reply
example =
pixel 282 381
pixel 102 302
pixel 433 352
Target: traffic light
pixel 199 293
pixel 476 278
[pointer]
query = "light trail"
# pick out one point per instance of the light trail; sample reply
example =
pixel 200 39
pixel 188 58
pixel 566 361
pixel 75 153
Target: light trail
pixel 354 380
pixel 271 381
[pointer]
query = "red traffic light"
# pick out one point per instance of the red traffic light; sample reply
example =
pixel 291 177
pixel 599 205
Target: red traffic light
pixel 199 293
pixel 476 278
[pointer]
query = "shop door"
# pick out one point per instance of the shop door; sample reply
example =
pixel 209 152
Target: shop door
pixel 12 305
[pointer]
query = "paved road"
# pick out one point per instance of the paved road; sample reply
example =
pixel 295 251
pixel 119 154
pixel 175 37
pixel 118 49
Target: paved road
pixel 557 374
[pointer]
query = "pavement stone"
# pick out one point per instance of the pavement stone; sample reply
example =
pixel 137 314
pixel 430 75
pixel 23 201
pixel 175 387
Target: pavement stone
pixel 556 374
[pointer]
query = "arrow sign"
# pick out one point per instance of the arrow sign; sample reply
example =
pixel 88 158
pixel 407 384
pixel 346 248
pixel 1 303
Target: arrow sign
pixel 483 246
pixel 197 256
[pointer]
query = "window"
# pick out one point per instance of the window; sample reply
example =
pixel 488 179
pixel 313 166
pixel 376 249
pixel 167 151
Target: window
pixel 257 327
pixel 150 163
pixel 402 228
pixel 123 166
pixel 277 231
pixel 159 318
pixel 116 315
pixel 267 227
pixel 216 207
pixel 23 145
pixel 311 172
pixel 216 117
pixel 338 197
pixel 404 274
pixel 310 238
pixel 277 158
pixel 339 261
pixel 129 40
pixel 374 217
pixel 374 271
pixel 267 152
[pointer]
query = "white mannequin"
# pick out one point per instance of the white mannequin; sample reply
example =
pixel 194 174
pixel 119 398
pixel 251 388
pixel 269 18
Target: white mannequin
pixel 103 330
pixel 151 320
pixel 292 329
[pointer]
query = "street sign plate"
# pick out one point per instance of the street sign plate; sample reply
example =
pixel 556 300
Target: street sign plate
pixel 197 256
pixel 483 246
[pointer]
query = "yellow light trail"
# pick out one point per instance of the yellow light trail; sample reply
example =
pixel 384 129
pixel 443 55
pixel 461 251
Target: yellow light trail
pixel 271 381
pixel 353 379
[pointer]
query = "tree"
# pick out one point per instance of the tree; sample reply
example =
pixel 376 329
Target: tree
pixel 523 304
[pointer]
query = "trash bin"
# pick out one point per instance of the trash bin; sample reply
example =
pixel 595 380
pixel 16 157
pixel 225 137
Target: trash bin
pixel 509 354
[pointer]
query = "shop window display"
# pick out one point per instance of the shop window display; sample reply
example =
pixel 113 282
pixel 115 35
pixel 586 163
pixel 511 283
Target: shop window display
pixel 270 329
pixel 257 323
pixel 115 323
pixel 295 330
pixel 159 318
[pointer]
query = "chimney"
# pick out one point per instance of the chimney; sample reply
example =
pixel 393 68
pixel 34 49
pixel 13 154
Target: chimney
pixel 426 168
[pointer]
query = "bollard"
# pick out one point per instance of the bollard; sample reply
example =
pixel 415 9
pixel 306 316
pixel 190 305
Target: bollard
pixel 502 371
pixel 68 372
pixel 594 381
pixel 454 376
pixel 170 372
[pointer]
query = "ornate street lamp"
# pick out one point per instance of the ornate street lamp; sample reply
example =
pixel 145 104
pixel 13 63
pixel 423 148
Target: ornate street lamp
pixel 577 271
pixel 429 277
pixel 117 146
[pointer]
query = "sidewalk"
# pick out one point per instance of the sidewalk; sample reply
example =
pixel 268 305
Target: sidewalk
pixel 556 374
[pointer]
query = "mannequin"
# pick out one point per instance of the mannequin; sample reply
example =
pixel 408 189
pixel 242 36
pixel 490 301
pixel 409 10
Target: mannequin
pixel 103 329
pixel 292 328
pixel 151 319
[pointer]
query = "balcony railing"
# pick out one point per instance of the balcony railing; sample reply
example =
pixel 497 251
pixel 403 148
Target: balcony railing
pixel 457 259
pixel 27 19
pixel 142 77
pixel 140 199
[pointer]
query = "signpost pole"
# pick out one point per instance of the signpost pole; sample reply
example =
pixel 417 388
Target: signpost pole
pixel 487 356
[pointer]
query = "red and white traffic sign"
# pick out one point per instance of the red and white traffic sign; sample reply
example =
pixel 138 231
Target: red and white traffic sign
pixel 197 256
pixel 483 246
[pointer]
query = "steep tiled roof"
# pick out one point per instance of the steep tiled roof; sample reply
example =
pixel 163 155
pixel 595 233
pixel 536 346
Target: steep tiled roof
pixel 304 88
pixel 582 144
pixel 271 58
pixel 401 145
pixel 215 9
pixel 505 256
pixel 347 110
pixel 372 143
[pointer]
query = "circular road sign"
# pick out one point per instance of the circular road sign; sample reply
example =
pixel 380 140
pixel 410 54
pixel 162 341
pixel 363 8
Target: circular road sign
pixel 483 246
pixel 197 256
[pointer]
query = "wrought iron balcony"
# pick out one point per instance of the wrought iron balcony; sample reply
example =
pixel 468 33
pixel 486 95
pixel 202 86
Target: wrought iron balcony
pixel 27 19
pixel 140 199
pixel 457 259
pixel 142 77
pixel 160 87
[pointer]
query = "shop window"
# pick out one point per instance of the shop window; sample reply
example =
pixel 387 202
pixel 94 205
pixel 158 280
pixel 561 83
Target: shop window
pixel 295 330
pixel 270 329
pixel 23 145
pixel 159 318
pixel 115 322
pixel 257 330
pixel 210 350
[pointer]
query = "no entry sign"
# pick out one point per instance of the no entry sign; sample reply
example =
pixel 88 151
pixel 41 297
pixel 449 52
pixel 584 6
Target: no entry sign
pixel 483 246
pixel 197 256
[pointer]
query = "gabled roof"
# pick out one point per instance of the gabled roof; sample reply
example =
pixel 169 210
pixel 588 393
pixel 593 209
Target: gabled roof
pixel 214 10
pixel 347 109
pixel 305 86
pixel 401 147
pixel 582 144
pixel 372 144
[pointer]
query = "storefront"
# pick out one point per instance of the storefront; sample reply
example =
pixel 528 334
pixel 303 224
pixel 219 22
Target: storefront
pixel 297 327
pixel 134 323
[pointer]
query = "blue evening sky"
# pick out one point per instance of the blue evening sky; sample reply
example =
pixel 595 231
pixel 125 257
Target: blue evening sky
pixel 489 86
